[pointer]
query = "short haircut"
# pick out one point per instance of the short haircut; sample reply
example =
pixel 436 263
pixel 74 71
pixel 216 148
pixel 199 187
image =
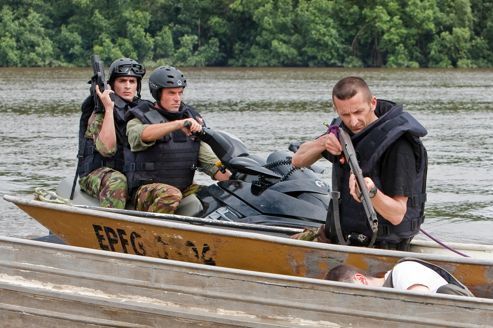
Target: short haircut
pixel 342 272
pixel 349 86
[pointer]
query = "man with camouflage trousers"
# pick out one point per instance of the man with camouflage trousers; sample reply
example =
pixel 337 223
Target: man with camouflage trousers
pixel 163 155
pixel 101 162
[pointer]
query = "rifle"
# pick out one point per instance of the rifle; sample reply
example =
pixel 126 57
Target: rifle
pixel 97 80
pixel 350 155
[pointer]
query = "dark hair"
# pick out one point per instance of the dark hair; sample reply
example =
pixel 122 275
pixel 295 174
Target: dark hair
pixel 342 272
pixel 348 87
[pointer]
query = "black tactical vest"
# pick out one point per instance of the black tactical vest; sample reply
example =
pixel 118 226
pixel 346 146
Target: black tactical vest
pixel 171 160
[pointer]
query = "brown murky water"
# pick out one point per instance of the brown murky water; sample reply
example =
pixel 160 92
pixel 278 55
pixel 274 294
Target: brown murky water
pixel 267 109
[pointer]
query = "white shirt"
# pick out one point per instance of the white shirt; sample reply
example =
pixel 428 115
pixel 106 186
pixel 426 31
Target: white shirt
pixel 409 273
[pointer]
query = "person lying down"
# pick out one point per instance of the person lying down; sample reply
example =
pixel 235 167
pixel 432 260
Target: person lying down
pixel 407 274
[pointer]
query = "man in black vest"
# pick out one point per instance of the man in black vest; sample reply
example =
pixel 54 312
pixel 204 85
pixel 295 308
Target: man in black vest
pixel 393 161
pixel 101 162
pixel 163 155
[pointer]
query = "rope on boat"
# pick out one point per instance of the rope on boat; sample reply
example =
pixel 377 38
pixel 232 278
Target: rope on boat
pixel 49 196
pixel 442 244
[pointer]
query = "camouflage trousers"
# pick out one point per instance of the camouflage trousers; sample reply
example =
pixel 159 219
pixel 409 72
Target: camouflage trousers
pixel 107 185
pixel 312 234
pixel 161 198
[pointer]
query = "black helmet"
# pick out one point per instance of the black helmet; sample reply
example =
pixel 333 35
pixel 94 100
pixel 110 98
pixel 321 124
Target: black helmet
pixel 165 77
pixel 127 67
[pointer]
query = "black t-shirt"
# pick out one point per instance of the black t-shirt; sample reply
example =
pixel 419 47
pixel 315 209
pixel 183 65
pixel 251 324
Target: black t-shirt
pixel 398 169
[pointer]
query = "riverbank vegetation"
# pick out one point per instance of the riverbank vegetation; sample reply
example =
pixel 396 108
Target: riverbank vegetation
pixel 345 33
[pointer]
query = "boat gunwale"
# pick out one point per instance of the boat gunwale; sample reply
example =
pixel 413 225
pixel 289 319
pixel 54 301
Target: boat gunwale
pixel 199 269
pixel 247 235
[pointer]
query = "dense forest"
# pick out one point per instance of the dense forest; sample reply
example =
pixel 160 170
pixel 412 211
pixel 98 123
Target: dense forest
pixel 345 33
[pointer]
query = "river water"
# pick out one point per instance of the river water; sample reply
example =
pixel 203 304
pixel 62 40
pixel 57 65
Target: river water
pixel 267 108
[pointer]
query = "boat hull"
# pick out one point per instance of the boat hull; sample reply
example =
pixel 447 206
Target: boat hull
pixel 229 248
pixel 50 285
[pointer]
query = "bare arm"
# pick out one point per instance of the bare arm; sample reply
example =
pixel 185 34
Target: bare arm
pixel 153 132
pixel 391 209
pixel 107 134
pixel 311 151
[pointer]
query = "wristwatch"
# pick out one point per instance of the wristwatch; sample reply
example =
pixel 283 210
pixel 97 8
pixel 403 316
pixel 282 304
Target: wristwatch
pixel 373 191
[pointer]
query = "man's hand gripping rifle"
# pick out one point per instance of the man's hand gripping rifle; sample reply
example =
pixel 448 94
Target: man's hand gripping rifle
pixel 97 81
pixel 350 155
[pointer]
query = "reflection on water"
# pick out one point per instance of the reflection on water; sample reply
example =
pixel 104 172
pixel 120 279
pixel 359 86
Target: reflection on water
pixel 267 109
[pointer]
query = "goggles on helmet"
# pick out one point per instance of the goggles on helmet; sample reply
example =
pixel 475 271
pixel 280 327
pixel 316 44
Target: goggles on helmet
pixel 126 68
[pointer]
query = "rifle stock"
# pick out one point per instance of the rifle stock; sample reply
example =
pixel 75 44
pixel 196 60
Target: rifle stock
pixel 350 155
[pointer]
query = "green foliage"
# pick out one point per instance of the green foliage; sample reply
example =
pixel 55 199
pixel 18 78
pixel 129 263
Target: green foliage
pixel 322 44
pixel 163 44
pixel 208 54
pixel 451 49
pixel 9 52
pixel 184 54
pixel 70 48
pixel 25 41
pixel 350 33
pixel 139 41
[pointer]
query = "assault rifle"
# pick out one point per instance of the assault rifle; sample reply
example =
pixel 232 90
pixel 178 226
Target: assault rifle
pixel 97 80
pixel 350 155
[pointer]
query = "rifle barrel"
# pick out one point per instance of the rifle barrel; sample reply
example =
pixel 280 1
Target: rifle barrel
pixel 350 154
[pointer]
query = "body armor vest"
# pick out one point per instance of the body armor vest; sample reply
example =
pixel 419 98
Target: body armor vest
pixel 171 160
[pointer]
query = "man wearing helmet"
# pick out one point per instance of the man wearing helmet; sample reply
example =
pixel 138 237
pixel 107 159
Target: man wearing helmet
pixel 101 162
pixel 163 155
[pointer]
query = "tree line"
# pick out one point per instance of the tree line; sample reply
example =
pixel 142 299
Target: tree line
pixel 329 33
